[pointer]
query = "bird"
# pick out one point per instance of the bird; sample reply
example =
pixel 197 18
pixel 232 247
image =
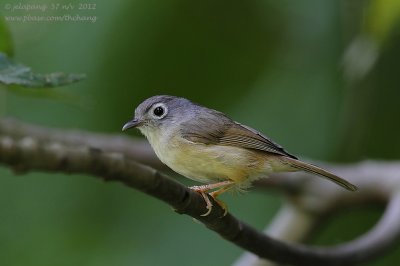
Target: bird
pixel 207 146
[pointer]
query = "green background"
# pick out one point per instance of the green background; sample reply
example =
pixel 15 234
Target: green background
pixel 274 65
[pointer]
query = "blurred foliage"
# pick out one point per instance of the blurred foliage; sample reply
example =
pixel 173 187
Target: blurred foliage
pixel 274 65
pixel 381 18
pixel 5 39
pixel 12 73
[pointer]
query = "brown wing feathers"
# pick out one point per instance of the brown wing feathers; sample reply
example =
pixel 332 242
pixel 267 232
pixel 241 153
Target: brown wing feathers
pixel 220 130
pixel 215 128
pixel 246 137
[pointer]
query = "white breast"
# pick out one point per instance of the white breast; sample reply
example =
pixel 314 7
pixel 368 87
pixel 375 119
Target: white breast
pixel 163 146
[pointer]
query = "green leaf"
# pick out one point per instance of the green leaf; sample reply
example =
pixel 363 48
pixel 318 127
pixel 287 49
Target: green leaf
pixel 12 73
pixel 381 18
pixel 5 39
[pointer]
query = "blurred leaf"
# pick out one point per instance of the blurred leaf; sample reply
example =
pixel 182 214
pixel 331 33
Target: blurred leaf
pixel 12 73
pixel 5 39
pixel 360 57
pixel 381 18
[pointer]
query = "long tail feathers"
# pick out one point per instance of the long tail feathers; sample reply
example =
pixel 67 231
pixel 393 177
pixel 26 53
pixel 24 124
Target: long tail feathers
pixel 321 172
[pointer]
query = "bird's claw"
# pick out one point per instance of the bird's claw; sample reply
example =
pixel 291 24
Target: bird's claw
pixel 209 205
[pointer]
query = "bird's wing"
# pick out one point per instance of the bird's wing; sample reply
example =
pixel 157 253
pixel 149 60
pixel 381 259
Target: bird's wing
pixel 226 132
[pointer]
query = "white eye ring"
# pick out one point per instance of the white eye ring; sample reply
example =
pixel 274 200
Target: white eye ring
pixel 159 111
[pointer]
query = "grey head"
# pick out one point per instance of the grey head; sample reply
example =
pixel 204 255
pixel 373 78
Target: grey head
pixel 160 111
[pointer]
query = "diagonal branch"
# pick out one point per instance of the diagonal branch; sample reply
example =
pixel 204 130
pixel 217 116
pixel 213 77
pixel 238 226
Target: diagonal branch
pixel 26 153
pixel 137 150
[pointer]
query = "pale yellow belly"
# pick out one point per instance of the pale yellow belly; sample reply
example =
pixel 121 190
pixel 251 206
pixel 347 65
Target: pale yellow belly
pixel 211 164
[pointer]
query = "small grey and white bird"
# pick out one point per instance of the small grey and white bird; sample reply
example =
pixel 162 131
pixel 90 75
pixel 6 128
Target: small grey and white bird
pixel 207 146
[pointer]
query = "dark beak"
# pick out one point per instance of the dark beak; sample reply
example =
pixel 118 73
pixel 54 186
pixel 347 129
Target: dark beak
pixel 131 124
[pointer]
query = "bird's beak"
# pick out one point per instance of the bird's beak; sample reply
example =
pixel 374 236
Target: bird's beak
pixel 131 124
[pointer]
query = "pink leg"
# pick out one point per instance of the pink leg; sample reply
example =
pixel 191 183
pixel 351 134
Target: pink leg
pixel 218 192
pixel 224 186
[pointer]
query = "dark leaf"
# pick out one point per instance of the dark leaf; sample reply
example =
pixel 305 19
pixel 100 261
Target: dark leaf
pixel 12 73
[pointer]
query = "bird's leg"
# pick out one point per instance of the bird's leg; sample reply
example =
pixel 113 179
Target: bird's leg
pixel 218 192
pixel 208 187
pixel 204 188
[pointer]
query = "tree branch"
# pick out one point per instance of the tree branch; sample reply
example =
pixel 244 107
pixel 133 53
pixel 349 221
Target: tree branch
pixel 53 153
pixel 135 149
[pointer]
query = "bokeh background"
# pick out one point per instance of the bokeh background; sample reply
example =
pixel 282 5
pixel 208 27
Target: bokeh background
pixel 319 77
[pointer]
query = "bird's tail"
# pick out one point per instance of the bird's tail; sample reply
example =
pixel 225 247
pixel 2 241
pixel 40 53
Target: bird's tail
pixel 321 172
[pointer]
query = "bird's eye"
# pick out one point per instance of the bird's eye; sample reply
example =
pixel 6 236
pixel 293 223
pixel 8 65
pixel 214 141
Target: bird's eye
pixel 158 111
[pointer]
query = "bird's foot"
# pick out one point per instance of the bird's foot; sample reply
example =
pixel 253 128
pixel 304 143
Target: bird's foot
pixel 224 186
pixel 220 203
pixel 202 190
